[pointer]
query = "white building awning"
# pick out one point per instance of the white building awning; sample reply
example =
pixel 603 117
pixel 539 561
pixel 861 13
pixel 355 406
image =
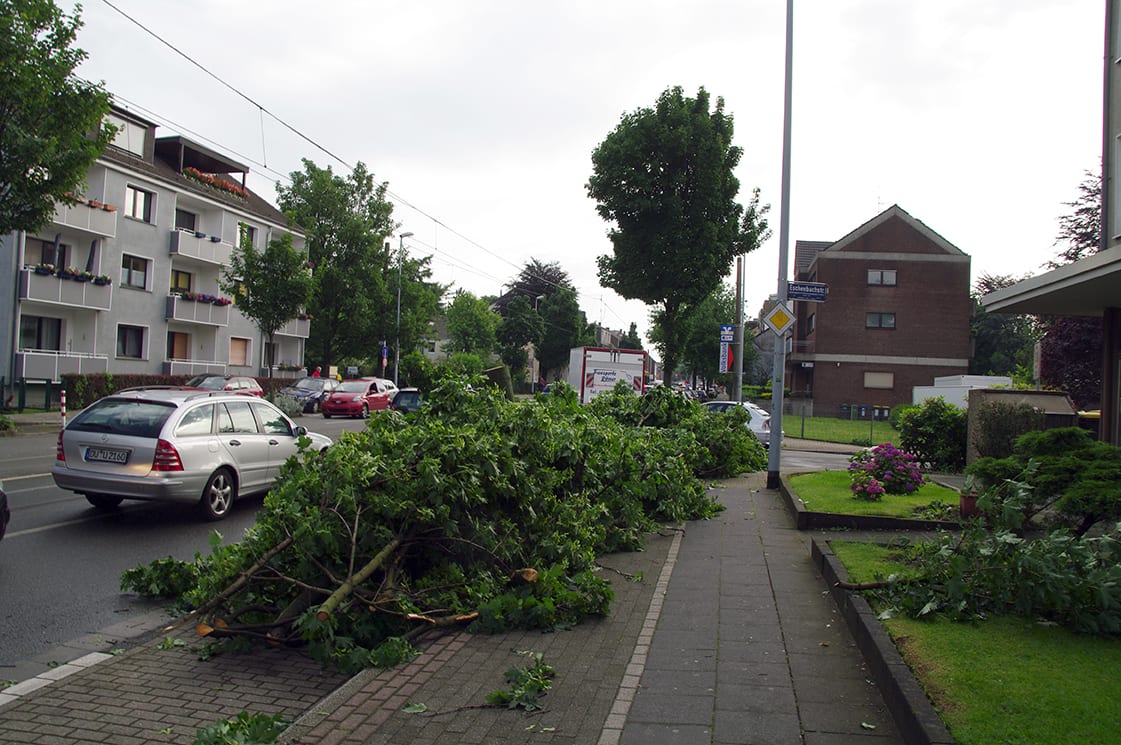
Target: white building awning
pixel 1085 288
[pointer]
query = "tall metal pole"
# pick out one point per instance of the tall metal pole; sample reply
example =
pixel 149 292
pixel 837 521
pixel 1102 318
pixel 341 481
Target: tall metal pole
pixel 779 372
pixel 737 393
pixel 397 341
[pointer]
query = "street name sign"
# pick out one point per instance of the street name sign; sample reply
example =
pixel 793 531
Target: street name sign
pixel 810 292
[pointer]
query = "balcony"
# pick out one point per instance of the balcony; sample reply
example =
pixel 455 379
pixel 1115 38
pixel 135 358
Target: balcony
pixel 300 327
pixel 93 220
pixel 194 367
pixel 284 373
pixel 203 249
pixel 51 288
pixel 801 349
pixel 193 311
pixel 46 364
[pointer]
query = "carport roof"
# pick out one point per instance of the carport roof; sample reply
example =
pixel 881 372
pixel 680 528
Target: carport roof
pixel 1085 288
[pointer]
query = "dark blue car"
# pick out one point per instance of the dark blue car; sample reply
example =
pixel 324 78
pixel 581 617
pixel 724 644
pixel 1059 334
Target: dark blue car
pixel 310 392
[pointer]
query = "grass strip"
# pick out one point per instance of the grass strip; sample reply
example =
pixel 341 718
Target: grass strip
pixel 828 491
pixel 1007 680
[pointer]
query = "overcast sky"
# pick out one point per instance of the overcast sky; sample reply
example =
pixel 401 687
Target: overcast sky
pixel 978 117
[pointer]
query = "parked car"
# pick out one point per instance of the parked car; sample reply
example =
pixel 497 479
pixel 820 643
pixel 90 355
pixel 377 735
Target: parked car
pixel 407 400
pixel 176 445
pixel 358 397
pixel 309 392
pixel 237 383
pixel 5 513
pixel 760 424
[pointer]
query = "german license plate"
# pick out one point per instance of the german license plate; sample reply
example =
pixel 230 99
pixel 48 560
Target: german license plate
pixel 107 455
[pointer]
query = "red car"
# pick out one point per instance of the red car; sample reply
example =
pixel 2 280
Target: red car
pixel 242 384
pixel 358 398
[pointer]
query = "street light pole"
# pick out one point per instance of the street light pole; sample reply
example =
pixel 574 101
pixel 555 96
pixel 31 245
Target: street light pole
pixel 397 341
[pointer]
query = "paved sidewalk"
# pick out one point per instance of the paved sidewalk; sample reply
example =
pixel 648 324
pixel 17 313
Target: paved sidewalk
pixel 721 633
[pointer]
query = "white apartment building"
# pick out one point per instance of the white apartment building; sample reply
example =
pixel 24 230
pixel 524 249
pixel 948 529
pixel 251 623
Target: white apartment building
pixel 126 281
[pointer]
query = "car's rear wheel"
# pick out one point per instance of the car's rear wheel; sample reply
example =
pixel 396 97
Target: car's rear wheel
pixel 219 495
pixel 104 501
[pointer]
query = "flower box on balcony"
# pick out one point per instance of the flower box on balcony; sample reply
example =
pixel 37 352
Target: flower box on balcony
pixel 215 239
pixel 94 204
pixel 103 280
pixel 109 207
pixel 200 234
pixel 45 269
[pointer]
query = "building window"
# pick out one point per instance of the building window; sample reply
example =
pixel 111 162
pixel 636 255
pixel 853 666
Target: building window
pixel 885 277
pixel 883 381
pixel 138 203
pixel 180 281
pixel 879 320
pixel 268 354
pixel 185 220
pixel 38 251
pixel 130 136
pixel 239 351
pixel 134 272
pixel 246 232
pixel 178 345
pixel 130 341
pixel 39 332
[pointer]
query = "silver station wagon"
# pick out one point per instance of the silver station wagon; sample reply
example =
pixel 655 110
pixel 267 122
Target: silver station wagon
pixel 176 445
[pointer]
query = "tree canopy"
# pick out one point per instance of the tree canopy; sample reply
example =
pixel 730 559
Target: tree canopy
pixel 471 324
pixel 1002 343
pixel 1071 347
pixel 664 178
pixel 356 268
pixel 565 328
pixel 536 281
pixel 520 326
pixel 269 287
pixel 51 123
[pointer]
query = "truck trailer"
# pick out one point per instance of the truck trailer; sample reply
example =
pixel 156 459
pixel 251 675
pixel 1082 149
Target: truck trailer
pixel 596 370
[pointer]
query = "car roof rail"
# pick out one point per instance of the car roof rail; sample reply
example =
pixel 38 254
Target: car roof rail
pixel 139 388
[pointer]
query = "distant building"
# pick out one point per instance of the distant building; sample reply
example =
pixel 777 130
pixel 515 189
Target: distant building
pixel 126 280
pixel 896 316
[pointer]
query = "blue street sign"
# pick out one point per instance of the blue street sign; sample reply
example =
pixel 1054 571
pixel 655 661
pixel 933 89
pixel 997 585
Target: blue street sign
pixel 727 332
pixel 811 292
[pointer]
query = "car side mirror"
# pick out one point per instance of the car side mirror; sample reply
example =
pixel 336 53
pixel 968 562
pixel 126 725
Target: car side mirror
pixel 300 430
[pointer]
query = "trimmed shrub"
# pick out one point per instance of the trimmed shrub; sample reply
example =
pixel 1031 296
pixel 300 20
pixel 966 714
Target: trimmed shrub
pixel 936 434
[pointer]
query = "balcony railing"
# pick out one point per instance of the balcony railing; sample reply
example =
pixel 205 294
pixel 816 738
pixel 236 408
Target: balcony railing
pixel 51 288
pixel 284 374
pixel 52 365
pixel 195 311
pixel 194 367
pixel 801 348
pixel 200 247
pixel 89 219
pixel 300 327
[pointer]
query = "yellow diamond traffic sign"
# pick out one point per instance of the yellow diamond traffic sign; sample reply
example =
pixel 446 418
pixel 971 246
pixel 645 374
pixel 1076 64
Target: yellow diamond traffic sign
pixel 779 318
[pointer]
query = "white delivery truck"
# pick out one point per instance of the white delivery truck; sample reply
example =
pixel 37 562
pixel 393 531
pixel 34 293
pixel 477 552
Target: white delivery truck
pixel 596 370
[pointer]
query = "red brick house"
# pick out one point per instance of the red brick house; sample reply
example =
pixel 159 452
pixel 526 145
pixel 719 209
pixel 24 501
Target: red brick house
pixel 896 316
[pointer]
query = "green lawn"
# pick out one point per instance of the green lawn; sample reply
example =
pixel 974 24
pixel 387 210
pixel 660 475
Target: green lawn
pixel 848 432
pixel 828 491
pixel 1006 680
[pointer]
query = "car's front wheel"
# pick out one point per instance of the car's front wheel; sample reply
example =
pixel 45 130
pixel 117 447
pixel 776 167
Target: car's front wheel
pixel 365 411
pixel 104 501
pixel 219 495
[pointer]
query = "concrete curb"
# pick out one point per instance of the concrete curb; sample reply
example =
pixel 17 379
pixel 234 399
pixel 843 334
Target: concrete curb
pixel 914 715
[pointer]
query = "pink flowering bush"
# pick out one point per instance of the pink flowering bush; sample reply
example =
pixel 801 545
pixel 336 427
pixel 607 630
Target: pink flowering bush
pixel 885 469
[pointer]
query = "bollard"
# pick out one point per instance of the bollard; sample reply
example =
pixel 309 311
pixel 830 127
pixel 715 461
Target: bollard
pixel 62 400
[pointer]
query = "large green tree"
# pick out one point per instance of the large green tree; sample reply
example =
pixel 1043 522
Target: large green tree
pixel 520 326
pixel 664 178
pixel 348 221
pixel 471 324
pixel 565 328
pixel 702 345
pixel 1071 347
pixel 631 340
pixel 536 281
pixel 269 287
pixel 1002 343
pixel 51 123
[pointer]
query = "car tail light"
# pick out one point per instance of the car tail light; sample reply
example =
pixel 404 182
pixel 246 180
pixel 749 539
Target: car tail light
pixel 167 457
pixel 59 453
